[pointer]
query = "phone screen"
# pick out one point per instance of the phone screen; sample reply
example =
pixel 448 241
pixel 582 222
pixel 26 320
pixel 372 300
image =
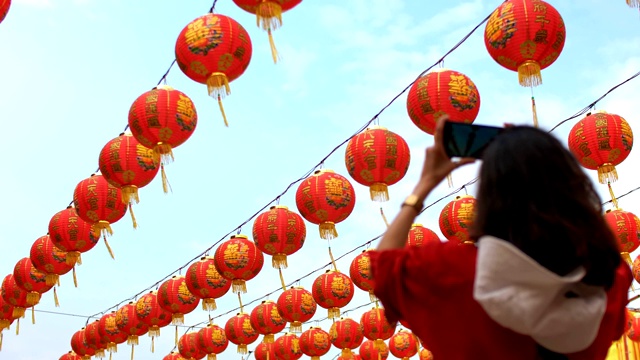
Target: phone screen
pixel 468 140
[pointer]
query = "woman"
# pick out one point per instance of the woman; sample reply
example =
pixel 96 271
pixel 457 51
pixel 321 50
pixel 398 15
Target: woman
pixel 545 279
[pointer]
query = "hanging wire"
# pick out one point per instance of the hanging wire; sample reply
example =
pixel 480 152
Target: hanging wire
pixel 213 7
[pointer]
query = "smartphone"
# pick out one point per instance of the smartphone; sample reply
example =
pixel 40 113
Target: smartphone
pixel 468 140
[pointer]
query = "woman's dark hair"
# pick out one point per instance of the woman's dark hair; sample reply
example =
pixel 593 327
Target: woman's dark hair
pixel 533 194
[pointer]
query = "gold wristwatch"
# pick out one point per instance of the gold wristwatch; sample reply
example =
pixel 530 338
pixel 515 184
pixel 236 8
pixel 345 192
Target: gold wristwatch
pixel 413 201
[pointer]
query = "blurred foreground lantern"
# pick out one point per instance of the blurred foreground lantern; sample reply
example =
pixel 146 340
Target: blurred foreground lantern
pixel 111 335
pixel 375 327
pixel 205 282
pixel 346 334
pixel 268 15
pixel 49 259
pixel 626 227
pixel 80 346
pixel 360 273
pixel 4 8
pixel 333 290
pixel 239 261
pixel 377 158
pixel 420 235
pixel 442 92
pixel 188 346
pixel 601 141
pixel 70 233
pixel 350 357
pixel 287 347
pixel 279 232
pixel 636 269
pixel 296 306
pixel 240 332
pixel 370 351
pixel 633 319
pixel 212 340
pixel 403 344
pixel 525 36
pixel 174 296
pixel 265 351
pixel 456 218
pixel 315 342
pixel 152 315
pixel 266 320
pixel 128 165
pixel 425 354
pixel 215 50
pixel 325 198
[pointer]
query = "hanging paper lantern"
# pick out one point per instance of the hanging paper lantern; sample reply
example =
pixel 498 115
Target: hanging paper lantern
pixel 94 340
pixel 377 158
pixel 279 232
pixel 634 329
pixel 403 345
pixel 266 320
pixel 442 92
pixel 269 15
pixel 456 218
pixel 315 342
pixel 70 356
pixel 15 296
pixel 265 351
pixel 287 347
pixel 212 340
pixel 360 273
pixel 346 334
pixel 128 323
pixel 70 233
pixel 351 357
pixel 99 203
pixel 296 306
pixel 80 346
pixel 333 290
pixel 6 315
pixel 152 315
pixel 30 279
pixel 188 346
pixel 4 8
pixel 626 227
pixel 525 36
pixel 174 296
pixel 111 335
pixel 325 198
pixel 376 327
pixel 174 356
pixel 601 141
pixel 636 269
pixel 215 50
pixel 128 165
pixel 205 282
pixel 238 260
pixel 420 235
pixel 425 354
pixel 371 351
pixel 239 331
pixel 49 259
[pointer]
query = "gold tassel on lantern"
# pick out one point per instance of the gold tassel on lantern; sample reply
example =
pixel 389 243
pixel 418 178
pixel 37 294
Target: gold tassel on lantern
pixel 18 312
pixel 239 286
pixel 99 353
pixel 51 279
pixel 379 192
pixel 18 327
pixel 33 315
pixel 218 87
pixel 529 74
pixel 328 230
pixel 132 351
pixel 333 313
pixel 607 173
pixel 177 319
pixel 627 258
pixel 279 261
pixel 242 349
pixel 154 330
pixel 268 339
pixel 633 3
pixel 212 357
pixel 75 279
pixel 534 111
pixel 55 298
pixel 284 287
pixel 209 304
pixel 296 327
pixel 133 217
pixel 153 344
pixel 269 17
pixel 33 298
pixel 73 258
pixel 379 345
pixel 347 353
pixel 373 297
pixel 130 194
pixel 109 248
pixel 103 227
pixel 112 347
pixel 614 200
pixel 132 340
pixel 384 217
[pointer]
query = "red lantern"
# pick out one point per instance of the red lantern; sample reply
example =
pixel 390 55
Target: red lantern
pixel 403 344
pixel 265 351
pixel 296 306
pixel 238 260
pixel 420 235
pixel 333 290
pixel 279 232
pixel 205 282
pixel 268 15
pixel 456 218
pixel 212 340
pixel 240 332
pixel 636 268
pixel 287 347
pixel 634 329
pixel 369 350
pixel 94 340
pixel 601 141
pixel 351 357
pixel 162 119
pixel 442 92
pixel 377 158
pixel 49 259
pixel 152 315
pixel 425 354
pixel 110 333
pixel 360 273
pixel 6 315
pixel 266 320
pixel 15 296
pixel 315 342
pixel 174 296
pixel 174 356
pixel 4 8
pixel 525 36
pixel 30 279
pixel 346 334
pixel 99 203
pixel 626 227
pixel 376 327
pixel 188 346
pixel 70 233
pixel 325 198
pixel 128 165
pixel 215 50
pixel 70 356
pixel 80 346
pixel 128 323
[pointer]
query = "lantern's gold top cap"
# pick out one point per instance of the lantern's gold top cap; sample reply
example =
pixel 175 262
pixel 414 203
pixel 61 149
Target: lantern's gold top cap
pixel 279 207
pixel 320 171
pixel 239 236
pixel 416 225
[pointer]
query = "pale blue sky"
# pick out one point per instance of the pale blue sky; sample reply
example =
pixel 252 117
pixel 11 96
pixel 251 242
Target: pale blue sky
pixel 71 69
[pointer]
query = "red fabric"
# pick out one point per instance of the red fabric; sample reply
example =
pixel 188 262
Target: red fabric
pixel 368 351
pixel 265 351
pixel 204 281
pixel 123 162
pixel 128 322
pixel 93 338
pixel 296 305
pixel 431 287
pixel 266 320
pixel 325 196
pixel 70 233
pixel 419 235
pixel 239 331
pixel 79 344
pixel 174 296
